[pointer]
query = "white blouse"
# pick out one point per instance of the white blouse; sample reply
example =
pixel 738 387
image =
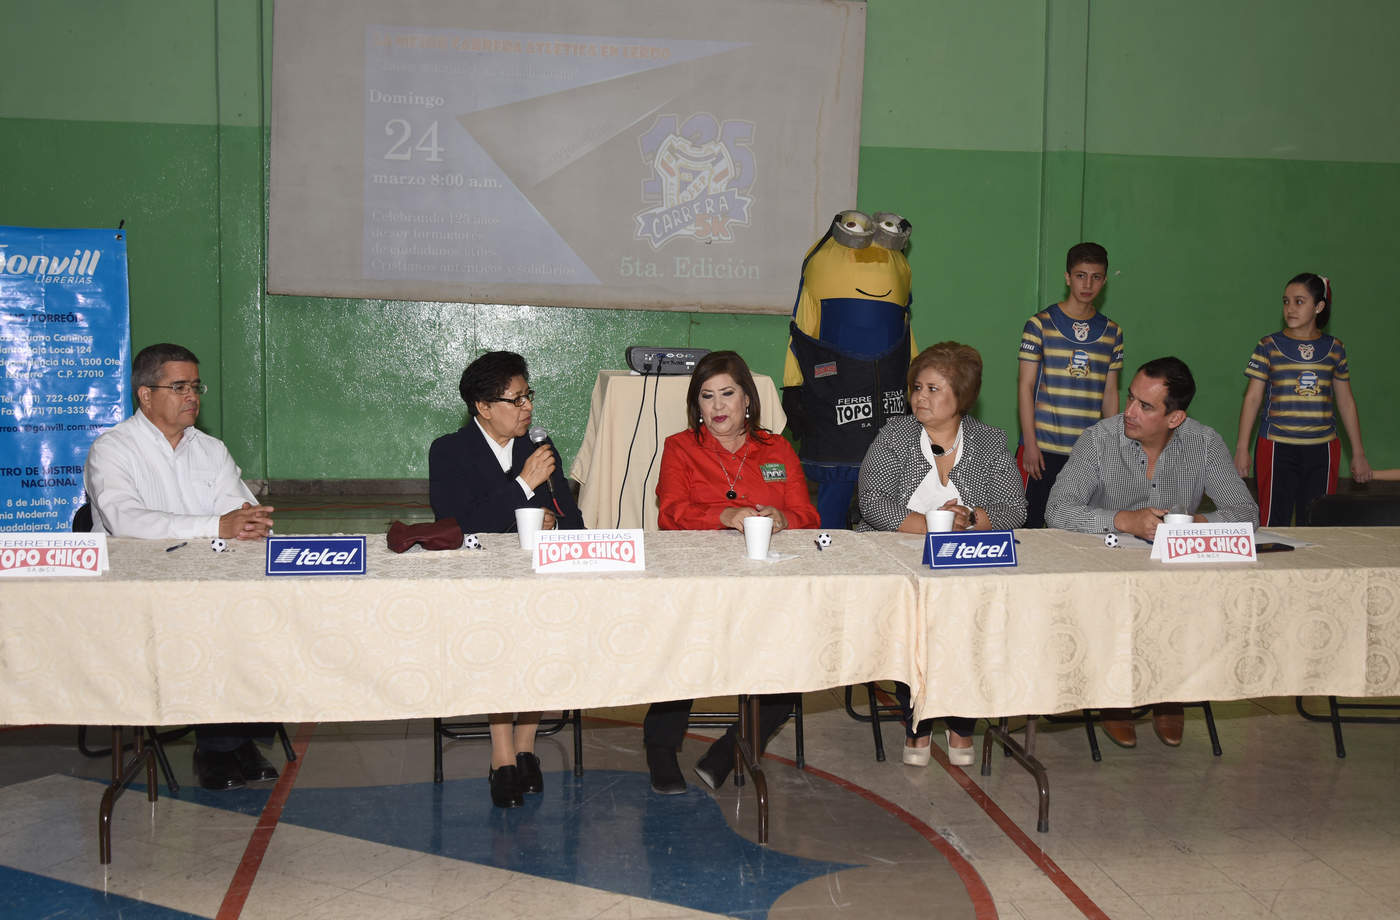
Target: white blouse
pixel 932 493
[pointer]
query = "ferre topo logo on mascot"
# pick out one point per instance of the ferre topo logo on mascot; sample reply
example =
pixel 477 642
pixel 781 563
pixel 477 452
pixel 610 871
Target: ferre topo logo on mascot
pixel 854 409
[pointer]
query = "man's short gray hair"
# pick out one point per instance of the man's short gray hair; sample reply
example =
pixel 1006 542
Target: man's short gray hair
pixel 145 370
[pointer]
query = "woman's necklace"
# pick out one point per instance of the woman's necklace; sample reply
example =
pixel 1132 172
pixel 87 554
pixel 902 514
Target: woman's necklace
pixel 731 494
pixel 939 450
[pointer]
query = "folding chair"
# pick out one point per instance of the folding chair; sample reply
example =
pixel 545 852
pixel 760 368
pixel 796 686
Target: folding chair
pixel 466 731
pixel 878 710
pixel 726 718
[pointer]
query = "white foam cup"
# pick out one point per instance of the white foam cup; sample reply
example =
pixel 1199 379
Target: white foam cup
pixel 528 522
pixel 758 530
pixel 1179 519
pixel 940 521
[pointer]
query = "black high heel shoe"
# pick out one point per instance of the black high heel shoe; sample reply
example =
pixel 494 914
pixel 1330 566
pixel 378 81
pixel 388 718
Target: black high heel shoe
pixel 714 768
pixel 531 780
pixel 505 787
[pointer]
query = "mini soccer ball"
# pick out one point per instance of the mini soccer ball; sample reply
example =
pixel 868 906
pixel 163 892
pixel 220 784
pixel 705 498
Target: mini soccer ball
pixel 1110 539
pixel 471 542
pixel 823 541
pixel 217 545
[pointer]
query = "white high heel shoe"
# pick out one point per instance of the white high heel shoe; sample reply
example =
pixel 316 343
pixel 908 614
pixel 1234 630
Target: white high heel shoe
pixel 918 756
pixel 959 756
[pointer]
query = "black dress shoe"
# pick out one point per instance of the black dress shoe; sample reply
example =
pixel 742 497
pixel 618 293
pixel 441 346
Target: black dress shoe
pixel 531 780
pixel 217 770
pixel 505 787
pixel 713 769
pixel 252 763
pixel 666 776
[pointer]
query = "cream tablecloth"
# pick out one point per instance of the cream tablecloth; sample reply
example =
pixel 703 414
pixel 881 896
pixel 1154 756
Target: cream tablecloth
pixel 602 459
pixel 170 638
pixel 1077 624
pixel 194 636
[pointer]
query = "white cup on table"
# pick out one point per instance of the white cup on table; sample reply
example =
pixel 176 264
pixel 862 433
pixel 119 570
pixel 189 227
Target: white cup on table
pixel 940 521
pixel 758 531
pixel 1179 518
pixel 529 522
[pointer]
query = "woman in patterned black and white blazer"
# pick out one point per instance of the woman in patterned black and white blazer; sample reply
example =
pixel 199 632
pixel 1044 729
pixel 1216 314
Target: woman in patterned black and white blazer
pixel 940 458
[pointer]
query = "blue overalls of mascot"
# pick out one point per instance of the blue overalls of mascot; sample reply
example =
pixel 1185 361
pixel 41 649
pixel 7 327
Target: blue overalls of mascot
pixel 848 351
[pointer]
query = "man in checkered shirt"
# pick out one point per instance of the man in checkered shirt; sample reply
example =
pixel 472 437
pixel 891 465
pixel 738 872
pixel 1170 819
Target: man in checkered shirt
pixel 1128 471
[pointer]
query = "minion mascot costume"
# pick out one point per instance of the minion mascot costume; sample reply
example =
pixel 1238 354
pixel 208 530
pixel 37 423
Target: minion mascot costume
pixel 849 350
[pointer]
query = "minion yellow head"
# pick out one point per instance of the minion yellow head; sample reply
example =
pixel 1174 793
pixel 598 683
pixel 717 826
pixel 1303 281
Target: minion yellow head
pixel 860 259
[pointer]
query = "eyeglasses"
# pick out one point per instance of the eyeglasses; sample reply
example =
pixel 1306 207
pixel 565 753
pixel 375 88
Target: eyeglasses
pixel 182 388
pixel 517 401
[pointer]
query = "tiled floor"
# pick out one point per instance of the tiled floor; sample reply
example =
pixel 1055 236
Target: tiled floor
pixel 1276 827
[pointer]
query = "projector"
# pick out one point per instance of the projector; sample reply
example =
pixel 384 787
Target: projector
pixel 664 361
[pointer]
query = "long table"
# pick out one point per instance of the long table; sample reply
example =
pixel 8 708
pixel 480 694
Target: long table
pixel 193 636
pixel 1080 625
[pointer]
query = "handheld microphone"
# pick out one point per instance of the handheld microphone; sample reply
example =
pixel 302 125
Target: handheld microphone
pixel 538 436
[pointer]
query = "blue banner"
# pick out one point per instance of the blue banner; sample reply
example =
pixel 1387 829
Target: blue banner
pixel 65 334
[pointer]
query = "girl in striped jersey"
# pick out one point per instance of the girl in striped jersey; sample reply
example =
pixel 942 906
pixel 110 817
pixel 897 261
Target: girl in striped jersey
pixel 1304 373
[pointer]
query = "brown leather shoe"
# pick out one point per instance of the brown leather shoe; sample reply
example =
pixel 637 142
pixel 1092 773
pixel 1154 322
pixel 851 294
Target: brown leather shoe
pixel 1118 726
pixel 1168 719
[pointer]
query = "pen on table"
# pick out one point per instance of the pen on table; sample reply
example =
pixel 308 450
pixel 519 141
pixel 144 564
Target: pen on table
pixel 171 549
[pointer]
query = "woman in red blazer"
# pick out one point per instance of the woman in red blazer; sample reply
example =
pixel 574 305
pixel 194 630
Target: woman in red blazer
pixel 720 470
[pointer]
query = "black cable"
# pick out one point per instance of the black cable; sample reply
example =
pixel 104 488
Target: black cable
pixel 637 426
pixel 655 439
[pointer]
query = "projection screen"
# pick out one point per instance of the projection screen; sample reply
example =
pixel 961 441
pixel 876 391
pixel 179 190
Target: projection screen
pixel 648 154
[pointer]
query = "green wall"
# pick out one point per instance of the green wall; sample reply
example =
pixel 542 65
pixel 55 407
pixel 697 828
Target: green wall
pixel 1214 162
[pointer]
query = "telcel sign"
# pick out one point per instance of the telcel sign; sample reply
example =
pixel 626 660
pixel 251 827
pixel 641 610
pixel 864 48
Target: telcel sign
pixel 970 549
pixel 316 555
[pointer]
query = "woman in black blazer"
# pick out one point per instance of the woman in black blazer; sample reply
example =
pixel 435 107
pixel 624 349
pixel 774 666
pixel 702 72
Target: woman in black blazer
pixel 479 475
pixel 940 458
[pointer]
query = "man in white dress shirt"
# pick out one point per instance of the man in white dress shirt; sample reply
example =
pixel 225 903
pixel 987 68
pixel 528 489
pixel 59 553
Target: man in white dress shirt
pixel 156 476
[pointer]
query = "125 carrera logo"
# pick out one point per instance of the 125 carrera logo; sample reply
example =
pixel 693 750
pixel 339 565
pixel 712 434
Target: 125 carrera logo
pixel 701 170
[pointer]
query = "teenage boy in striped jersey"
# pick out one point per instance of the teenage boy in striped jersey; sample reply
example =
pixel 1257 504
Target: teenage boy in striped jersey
pixel 1071 358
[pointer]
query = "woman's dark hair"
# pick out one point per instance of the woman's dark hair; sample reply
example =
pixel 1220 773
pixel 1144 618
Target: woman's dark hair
pixel 961 364
pixel 1320 288
pixel 722 362
pixel 1181 386
pixel 487 377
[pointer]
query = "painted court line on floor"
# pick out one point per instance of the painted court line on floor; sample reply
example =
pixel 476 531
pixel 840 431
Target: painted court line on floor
pixel 983 906
pixel 1039 857
pixel 980 896
pixel 242 882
